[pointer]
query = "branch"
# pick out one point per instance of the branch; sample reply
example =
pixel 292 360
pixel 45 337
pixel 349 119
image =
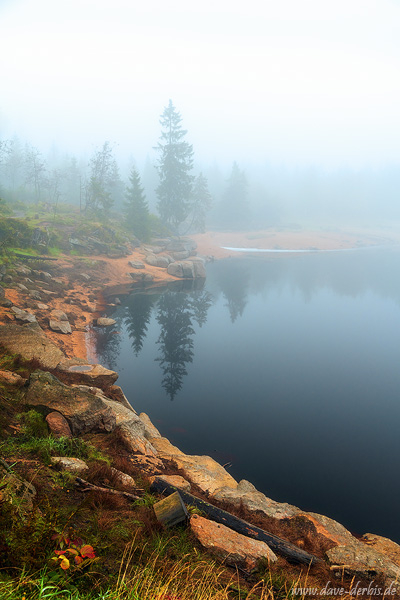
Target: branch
pixel 85 486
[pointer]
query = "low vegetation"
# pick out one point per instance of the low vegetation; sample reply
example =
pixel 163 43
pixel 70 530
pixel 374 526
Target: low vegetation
pixel 96 545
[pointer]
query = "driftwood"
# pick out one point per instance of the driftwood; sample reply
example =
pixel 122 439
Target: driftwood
pixel 286 549
pixel 85 486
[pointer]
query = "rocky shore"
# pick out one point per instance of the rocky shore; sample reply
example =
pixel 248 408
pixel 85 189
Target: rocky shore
pixel 45 315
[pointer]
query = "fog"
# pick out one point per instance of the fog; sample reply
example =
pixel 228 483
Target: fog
pixel 303 96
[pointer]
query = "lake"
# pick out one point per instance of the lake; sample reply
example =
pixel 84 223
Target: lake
pixel 284 368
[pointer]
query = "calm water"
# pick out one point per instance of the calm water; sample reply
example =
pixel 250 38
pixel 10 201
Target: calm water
pixel 284 368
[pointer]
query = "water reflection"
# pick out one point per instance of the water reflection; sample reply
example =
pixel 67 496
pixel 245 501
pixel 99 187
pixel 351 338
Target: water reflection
pixel 138 313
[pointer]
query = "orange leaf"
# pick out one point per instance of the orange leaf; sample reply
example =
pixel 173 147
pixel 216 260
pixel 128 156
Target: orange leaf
pixel 64 563
pixel 78 560
pixel 87 551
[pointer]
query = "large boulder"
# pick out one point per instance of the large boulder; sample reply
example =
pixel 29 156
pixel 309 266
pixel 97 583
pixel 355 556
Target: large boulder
pixel 80 372
pixel 30 342
pixel 203 471
pixel 157 261
pixel 228 546
pixel 131 428
pixel 84 411
pixel 245 494
pixel 187 269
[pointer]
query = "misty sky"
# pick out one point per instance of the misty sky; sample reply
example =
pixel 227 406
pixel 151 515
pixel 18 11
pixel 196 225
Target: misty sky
pixel 295 81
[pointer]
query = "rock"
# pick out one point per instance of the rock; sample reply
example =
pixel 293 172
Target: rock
pixel 384 546
pixel 59 315
pixel 123 478
pixel 187 269
pixel 84 411
pixel 80 372
pixel 150 431
pixel 23 270
pixel 247 495
pixel 35 295
pixel 16 491
pixel 176 480
pixel 358 560
pixel 130 428
pixel 204 471
pixel 105 322
pixel 180 255
pixel 67 463
pixel 10 378
pixel 142 277
pixel 7 279
pixel 137 264
pixel 42 306
pixel 58 425
pixel 117 394
pixel 22 287
pixel 30 342
pixel 44 276
pixel 157 261
pixel 228 546
pixel 5 303
pixel 153 249
pixel 85 276
pixel 23 315
pixel 151 465
pixel 61 326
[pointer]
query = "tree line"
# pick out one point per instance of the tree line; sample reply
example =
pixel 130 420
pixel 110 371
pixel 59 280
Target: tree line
pixel 183 199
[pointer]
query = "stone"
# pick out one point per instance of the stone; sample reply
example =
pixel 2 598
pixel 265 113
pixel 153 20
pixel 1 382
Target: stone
pixel 16 491
pixel 383 545
pixel 58 425
pixel 44 276
pixel 359 560
pixel 68 463
pixel 247 495
pixel 35 295
pixel 188 269
pixel 60 326
pixel 42 306
pixel 22 287
pixel 30 342
pixel 131 429
pixel 203 471
pixel 150 431
pixel 5 303
pixel 59 315
pixel 142 277
pixel 23 315
pixel 137 264
pixel 105 322
pixel 176 480
pixel 84 411
pixel 151 465
pixel 78 371
pixel 180 255
pixel 117 394
pixel 161 262
pixel 123 478
pixel 228 546
pixel 10 378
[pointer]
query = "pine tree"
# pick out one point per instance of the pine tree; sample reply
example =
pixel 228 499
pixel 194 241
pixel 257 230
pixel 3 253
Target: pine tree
pixel 103 177
pixel 175 164
pixel 136 208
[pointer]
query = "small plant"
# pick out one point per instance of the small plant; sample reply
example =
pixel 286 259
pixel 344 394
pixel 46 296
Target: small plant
pixel 73 553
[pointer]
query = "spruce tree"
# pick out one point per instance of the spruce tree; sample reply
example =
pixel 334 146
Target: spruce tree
pixel 136 208
pixel 175 164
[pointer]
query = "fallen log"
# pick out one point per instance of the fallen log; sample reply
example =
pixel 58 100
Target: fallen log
pixel 86 486
pixel 286 549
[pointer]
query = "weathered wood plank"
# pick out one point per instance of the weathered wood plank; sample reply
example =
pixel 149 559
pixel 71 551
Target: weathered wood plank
pixel 171 510
pixel 286 549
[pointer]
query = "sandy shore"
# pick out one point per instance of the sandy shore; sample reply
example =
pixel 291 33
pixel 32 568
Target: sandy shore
pixel 213 243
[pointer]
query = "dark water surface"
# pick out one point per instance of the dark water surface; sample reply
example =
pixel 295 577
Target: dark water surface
pixel 286 368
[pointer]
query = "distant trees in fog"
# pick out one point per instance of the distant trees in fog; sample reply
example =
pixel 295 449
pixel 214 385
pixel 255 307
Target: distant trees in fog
pixel 136 209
